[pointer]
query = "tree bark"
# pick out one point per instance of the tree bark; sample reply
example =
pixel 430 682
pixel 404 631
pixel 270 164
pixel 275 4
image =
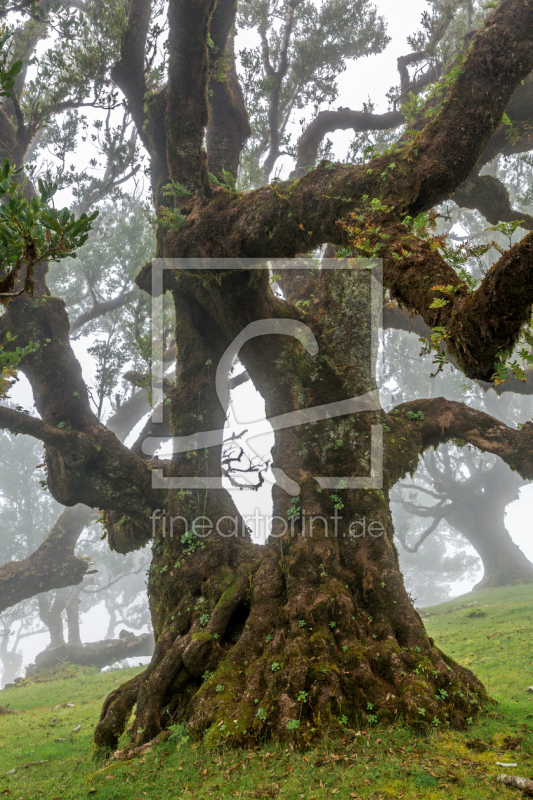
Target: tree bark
pixel 254 642
pixel 314 612
pixel 228 127
pixel 228 124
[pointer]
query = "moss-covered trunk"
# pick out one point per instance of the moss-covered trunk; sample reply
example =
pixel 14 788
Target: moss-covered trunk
pixel 289 641
pixel 315 629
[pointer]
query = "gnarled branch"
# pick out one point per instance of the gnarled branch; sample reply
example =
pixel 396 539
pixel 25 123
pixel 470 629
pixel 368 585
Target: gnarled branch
pixel 343 119
pixel 446 420
pixel 52 566
pixel 295 217
pixel 97 654
pixel 490 197
pixel 100 309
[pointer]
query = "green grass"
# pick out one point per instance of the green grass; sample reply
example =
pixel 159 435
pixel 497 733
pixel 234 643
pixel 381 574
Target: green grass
pixel 493 638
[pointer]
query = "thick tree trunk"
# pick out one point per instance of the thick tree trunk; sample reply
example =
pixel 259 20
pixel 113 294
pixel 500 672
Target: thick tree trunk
pixel 476 508
pixel 477 511
pixel 307 631
pixel 287 639
pixel 310 627
pixel 228 122
pixel 504 563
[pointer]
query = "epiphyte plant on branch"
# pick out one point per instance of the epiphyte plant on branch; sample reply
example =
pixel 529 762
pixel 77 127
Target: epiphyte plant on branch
pixel 32 231
pixel 226 612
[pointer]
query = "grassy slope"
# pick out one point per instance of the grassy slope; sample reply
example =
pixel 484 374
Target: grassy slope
pixel 494 639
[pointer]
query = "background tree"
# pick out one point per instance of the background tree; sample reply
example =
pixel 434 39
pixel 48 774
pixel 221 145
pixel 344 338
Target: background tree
pixel 457 489
pixel 433 573
pixel 303 48
pixel 474 505
pixel 114 582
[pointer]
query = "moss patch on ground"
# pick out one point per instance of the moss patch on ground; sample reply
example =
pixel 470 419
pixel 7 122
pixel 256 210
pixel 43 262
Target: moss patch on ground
pixel 493 638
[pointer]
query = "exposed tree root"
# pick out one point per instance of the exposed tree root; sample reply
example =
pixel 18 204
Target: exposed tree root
pixel 302 637
pixel 127 753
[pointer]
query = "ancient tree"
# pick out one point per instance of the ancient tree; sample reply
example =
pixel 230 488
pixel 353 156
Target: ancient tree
pixel 306 628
